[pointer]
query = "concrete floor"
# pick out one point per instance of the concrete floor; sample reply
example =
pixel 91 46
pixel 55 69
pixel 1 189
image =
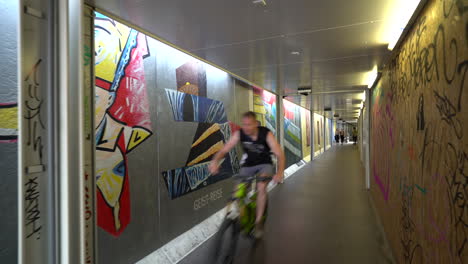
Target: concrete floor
pixel 322 214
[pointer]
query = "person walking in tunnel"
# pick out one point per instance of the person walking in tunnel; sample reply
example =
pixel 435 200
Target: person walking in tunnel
pixel 342 136
pixel 337 136
pixel 257 143
pixel 355 135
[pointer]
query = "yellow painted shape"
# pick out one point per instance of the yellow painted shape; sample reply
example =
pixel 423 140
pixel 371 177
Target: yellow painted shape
pixel 9 118
pixel 108 48
pixel 138 136
pixel 211 151
pixel 189 89
pixel 206 134
pixel 258 100
pixel 110 185
pixel 259 109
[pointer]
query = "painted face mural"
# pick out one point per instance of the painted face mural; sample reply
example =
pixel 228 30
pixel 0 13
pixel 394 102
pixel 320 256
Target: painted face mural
pixel 122 116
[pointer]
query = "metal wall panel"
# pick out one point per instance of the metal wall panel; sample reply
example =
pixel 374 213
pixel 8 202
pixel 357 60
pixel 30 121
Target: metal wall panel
pixel 35 196
pixel 88 136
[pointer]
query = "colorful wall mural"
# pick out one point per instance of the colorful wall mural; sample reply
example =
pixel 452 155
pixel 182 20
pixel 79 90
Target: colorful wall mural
pixel 10 13
pixel 292 133
pixel 160 116
pixel 122 116
pixel 305 130
pixel 419 139
pixel 212 133
pixel 8 122
pixel 264 105
pixel 319 135
pixel 9 166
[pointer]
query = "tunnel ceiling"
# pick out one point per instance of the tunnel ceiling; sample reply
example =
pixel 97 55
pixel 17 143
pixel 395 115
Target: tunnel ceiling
pixel 337 41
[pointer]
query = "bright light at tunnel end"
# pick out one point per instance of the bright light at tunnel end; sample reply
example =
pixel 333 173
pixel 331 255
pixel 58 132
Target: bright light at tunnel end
pixel 401 15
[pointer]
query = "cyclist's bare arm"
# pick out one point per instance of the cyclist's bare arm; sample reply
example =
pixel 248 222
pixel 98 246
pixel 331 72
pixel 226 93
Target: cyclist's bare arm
pixel 232 142
pixel 276 149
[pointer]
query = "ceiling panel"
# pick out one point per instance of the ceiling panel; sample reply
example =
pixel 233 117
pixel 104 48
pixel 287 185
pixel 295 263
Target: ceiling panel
pixel 337 40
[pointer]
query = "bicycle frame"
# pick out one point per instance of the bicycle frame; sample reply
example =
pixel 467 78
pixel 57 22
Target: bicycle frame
pixel 243 206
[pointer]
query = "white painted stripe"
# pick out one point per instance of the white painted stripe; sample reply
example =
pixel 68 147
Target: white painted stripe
pixel 8 132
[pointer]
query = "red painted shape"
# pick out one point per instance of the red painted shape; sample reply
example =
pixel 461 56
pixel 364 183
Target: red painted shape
pixel 103 84
pixel 131 104
pixel 105 215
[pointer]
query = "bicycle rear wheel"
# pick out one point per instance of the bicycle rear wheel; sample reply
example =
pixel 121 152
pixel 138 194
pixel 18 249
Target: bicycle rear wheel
pixel 226 242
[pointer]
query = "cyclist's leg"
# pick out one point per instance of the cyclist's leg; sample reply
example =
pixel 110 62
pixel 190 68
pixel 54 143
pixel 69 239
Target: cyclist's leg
pixel 265 174
pixel 247 172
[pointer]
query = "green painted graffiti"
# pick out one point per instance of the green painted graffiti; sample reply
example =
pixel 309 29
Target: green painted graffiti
pixel 87 55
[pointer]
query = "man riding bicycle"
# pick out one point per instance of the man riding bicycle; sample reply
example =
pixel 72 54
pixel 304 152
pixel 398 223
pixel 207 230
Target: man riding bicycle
pixel 257 143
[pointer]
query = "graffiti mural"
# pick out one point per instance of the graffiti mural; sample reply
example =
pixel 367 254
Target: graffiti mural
pixel 265 108
pixel 419 149
pixel 212 132
pixel 292 133
pixel 192 108
pixel 122 116
pixel 8 122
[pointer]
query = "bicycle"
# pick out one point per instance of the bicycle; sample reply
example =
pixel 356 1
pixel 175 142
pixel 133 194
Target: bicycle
pixel 240 218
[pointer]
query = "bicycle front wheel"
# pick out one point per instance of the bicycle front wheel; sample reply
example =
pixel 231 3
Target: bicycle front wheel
pixel 225 243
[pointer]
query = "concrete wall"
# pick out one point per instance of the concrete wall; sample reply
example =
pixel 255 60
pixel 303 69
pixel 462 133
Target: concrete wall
pixel 154 143
pixel 419 139
pixel 9 11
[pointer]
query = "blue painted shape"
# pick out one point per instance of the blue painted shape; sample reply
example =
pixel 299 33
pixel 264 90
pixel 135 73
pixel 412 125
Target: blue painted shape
pixel 197 174
pixel 176 101
pixel 124 59
pixel 204 110
pixel 188 179
pixel 176 182
pixel 119 169
pixel 99 15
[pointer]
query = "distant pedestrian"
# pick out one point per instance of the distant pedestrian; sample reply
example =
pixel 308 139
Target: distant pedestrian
pixel 337 136
pixel 342 137
pixel 355 135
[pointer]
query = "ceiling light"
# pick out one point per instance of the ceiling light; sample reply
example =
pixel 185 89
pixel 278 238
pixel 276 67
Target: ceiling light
pixel 372 77
pixel 401 13
pixel 295 53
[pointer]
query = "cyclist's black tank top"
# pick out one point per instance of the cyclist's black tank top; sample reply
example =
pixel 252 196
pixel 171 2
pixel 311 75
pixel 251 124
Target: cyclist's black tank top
pixel 258 152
